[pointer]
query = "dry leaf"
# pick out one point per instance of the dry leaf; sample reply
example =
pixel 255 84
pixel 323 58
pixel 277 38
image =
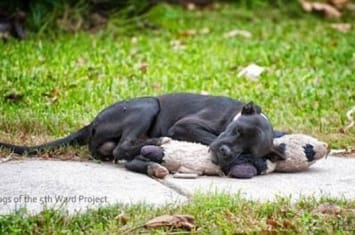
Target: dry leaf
pixel 330 209
pixel 53 95
pixel 341 27
pixel 237 32
pixel 156 86
pixel 122 218
pixel 45 155
pixel 252 72
pixel 323 8
pixel 175 221
pixel 272 222
pixel 143 67
pixel 190 6
pixel 188 33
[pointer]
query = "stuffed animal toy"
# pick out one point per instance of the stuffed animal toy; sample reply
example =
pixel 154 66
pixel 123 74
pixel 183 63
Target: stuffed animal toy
pixel 299 151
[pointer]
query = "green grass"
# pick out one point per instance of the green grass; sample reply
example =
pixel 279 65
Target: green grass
pixel 64 80
pixel 214 214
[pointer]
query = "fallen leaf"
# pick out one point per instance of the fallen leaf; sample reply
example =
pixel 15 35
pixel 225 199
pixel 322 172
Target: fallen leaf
pixel 237 32
pixel 322 8
pixel 53 95
pixel 252 72
pixel 175 221
pixel 272 222
pixel 190 6
pixel 156 86
pixel 288 224
pixel 188 33
pixel 44 155
pixel 341 27
pixel 143 67
pixel 330 209
pixel 122 218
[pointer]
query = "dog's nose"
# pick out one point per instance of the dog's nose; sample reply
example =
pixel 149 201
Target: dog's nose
pixel 225 150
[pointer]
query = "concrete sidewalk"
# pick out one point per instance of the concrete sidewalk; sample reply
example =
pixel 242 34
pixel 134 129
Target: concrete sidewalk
pixel 76 186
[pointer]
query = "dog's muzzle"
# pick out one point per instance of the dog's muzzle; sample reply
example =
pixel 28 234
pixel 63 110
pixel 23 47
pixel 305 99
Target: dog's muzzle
pixel 220 153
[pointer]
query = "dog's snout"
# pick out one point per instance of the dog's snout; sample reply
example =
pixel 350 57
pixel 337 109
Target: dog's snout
pixel 225 150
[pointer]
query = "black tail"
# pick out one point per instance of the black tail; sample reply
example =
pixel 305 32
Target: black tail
pixel 78 138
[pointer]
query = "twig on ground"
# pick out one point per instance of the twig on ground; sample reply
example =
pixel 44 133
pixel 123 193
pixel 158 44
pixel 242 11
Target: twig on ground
pixel 6 159
pixel 349 115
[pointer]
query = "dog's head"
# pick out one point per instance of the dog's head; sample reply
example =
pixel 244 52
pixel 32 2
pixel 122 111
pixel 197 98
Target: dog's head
pixel 250 132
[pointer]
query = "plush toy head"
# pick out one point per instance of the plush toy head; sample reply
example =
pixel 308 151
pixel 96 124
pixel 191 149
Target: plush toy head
pixel 300 152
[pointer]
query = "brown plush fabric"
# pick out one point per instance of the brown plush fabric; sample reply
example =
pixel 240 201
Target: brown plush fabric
pixel 186 157
pixel 296 159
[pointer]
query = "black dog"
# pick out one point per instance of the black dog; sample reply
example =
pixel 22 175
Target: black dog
pixel 120 130
pixel 249 135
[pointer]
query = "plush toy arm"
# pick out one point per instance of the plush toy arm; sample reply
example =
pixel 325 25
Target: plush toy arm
pixel 243 171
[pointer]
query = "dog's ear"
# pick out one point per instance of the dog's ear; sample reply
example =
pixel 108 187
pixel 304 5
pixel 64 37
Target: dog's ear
pixel 257 109
pixel 278 152
pixel 248 109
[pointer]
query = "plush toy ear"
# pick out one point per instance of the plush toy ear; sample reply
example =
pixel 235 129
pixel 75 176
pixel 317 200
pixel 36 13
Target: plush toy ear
pixel 278 152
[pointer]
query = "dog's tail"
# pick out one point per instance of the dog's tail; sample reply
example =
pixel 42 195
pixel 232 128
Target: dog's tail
pixel 80 137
